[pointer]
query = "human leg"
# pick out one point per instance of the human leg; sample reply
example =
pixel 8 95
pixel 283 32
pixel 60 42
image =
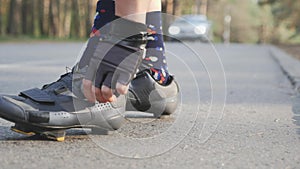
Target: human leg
pixel 155 59
pixel 105 13
pixel 154 90
pixel 156 66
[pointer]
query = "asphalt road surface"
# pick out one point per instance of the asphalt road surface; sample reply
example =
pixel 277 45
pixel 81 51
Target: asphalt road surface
pixel 238 109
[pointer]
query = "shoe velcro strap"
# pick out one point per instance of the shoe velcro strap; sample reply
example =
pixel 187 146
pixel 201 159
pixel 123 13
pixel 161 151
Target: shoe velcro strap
pixel 38 95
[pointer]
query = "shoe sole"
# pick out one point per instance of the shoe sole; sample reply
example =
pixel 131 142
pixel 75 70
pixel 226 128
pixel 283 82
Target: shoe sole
pixel 59 133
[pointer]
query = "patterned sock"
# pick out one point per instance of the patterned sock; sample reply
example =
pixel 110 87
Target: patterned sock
pixel 105 13
pixel 155 58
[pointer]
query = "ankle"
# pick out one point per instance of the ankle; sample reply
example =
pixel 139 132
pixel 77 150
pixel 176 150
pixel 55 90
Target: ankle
pixel 161 76
pixel 124 28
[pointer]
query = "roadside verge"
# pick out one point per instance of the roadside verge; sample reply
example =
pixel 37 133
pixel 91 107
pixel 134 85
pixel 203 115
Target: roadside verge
pixel 289 65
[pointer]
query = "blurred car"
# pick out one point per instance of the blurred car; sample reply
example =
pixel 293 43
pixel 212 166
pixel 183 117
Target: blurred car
pixel 191 27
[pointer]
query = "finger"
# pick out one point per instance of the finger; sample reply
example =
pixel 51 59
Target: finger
pixel 122 89
pixel 88 90
pixel 124 78
pixel 123 81
pixel 99 96
pixel 108 82
pixel 107 93
pixel 106 89
pixel 99 77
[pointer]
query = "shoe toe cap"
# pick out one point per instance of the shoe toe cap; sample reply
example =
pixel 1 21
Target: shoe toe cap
pixel 10 111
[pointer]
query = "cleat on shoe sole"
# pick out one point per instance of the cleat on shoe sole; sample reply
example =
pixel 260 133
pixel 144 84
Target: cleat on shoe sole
pixel 55 135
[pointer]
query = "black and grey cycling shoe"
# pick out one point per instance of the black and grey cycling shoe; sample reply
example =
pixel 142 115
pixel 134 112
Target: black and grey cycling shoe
pixel 55 108
pixel 147 95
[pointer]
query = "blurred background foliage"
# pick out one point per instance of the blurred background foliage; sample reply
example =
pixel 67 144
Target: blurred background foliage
pixel 252 21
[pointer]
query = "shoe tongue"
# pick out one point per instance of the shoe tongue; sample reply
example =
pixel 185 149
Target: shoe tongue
pixel 65 81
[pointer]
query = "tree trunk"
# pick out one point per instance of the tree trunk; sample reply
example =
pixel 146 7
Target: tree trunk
pixel 46 12
pixel 62 19
pixel 27 17
pixel 10 18
pixel 198 6
pixel 68 19
pixel 91 8
pixel 39 16
pixel 164 6
pixel 75 19
pixel 31 19
pixel 82 18
pixel 53 18
pixel 24 16
pixel 14 17
pixel 203 7
pixel 176 7
pixel 170 7
pixel 1 16
pixel 33 24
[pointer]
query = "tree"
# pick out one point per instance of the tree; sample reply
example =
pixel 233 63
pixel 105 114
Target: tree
pixel 286 18
pixel 14 17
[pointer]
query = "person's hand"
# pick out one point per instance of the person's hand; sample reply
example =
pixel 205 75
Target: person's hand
pixel 110 71
pixel 115 61
pixel 103 95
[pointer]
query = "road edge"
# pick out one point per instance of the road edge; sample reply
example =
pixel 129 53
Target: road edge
pixel 289 65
